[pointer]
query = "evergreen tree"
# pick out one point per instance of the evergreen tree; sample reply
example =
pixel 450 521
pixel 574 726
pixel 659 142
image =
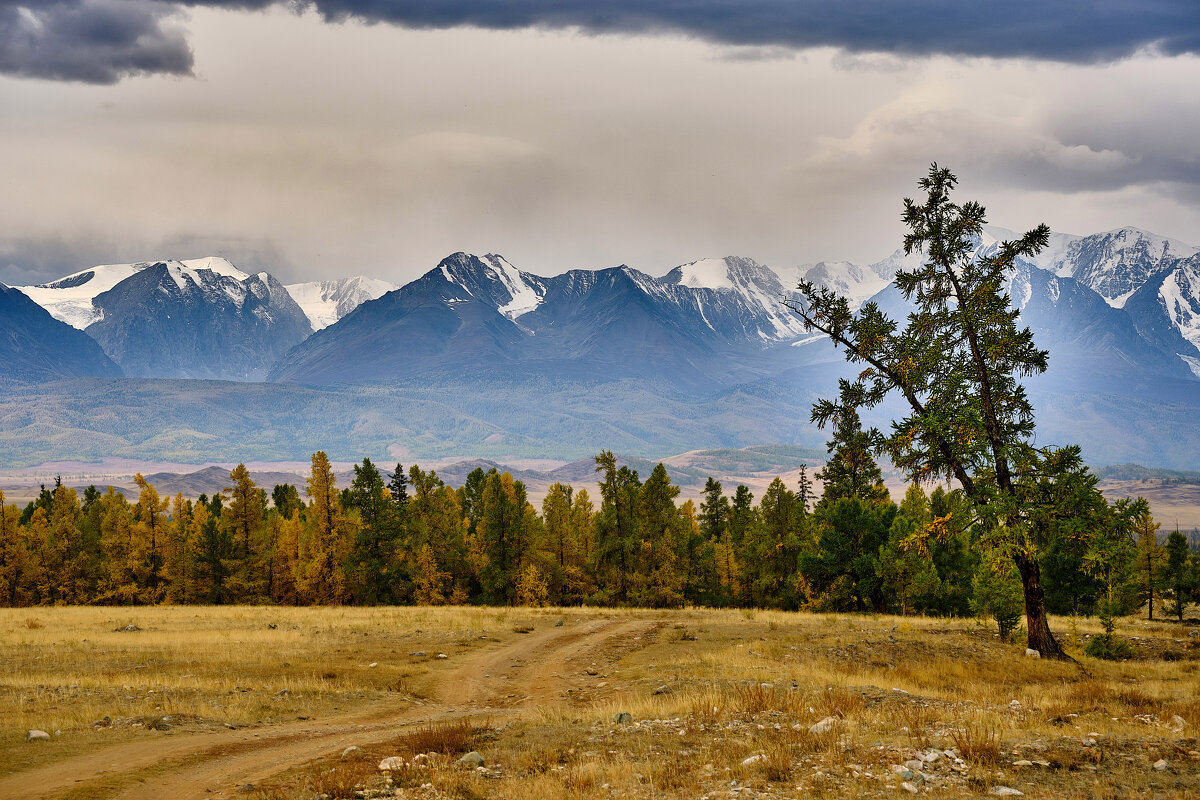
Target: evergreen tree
pixel 851 470
pixel 714 511
pixel 398 486
pixel 617 543
pixel 659 576
pixel 373 550
pixel 504 535
pixel 286 499
pixel 1175 574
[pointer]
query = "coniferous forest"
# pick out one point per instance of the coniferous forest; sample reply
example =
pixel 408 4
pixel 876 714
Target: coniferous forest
pixel 404 537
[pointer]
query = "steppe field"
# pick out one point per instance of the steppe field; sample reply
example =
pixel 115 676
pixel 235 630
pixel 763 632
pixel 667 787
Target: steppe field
pixel 174 703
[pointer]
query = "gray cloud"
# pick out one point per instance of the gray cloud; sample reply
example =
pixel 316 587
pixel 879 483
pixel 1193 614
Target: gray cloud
pixel 93 41
pixel 101 41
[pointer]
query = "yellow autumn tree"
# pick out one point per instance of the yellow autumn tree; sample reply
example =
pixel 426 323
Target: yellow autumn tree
pixel 15 560
pixel 326 541
pixel 150 534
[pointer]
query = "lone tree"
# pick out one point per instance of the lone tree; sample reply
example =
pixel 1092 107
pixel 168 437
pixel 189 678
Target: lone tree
pixel 957 363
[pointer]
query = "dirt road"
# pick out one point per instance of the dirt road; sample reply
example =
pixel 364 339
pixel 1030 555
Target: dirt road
pixel 508 679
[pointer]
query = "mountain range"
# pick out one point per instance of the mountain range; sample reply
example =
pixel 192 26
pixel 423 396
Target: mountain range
pixel 560 363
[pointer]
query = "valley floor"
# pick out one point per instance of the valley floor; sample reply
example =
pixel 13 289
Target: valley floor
pixel 186 702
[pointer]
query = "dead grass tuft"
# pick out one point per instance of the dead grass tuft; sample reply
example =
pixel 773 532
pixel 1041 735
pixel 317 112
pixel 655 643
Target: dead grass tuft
pixel 978 743
pixel 447 738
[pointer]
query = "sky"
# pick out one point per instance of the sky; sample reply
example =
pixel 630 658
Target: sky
pixel 325 138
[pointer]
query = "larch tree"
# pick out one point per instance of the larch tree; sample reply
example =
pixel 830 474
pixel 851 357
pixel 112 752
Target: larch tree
pixel 322 580
pixel 957 366
pixel 150 541
pixel 14 556
pixel 1151 559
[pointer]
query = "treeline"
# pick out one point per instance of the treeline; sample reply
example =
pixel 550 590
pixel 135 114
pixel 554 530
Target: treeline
pixel 407 538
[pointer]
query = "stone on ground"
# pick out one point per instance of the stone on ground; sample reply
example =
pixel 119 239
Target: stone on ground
pixel 37 736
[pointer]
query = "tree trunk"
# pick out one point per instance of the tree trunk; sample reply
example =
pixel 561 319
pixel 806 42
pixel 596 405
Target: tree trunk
pixel 1037 623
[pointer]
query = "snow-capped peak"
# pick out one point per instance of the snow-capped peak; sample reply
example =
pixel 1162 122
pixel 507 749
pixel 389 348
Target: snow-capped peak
pixel 708 273
pixel 1116 263
pixel 216 264
pixel 326 302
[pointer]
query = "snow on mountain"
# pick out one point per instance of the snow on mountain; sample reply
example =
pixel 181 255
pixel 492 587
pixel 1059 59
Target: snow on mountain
pixel 1166 310
pixel 513 293
pixel 1180 295
pixel 708 273
pixel 746 294
pixel 34 346
pixel 325 302
pixel 201 318
pixel 1116 263
pixel 70 299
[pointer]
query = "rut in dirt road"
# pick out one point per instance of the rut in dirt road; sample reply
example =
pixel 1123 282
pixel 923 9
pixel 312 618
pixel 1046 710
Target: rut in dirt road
pixel 512 678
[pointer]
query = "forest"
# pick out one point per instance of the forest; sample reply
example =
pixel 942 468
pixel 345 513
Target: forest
pixel 405 537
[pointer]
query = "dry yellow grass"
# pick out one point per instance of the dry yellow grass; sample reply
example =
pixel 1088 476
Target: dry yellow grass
pixel 715 696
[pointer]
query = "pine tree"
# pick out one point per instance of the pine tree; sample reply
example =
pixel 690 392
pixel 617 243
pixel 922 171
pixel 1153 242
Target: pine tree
pixel 851 470
pixel 617 542
pixel 659 576
pixel 1175 574
pixel 286 499
pixel 714 511
pixel 398 486
pixel 373 550
pixel 504 534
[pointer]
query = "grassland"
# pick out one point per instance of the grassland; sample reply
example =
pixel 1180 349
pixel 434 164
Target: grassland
pixel 262 702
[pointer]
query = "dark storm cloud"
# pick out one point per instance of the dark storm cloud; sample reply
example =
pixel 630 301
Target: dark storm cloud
pixel 93 41
pixel 1053 30
pixel 102 40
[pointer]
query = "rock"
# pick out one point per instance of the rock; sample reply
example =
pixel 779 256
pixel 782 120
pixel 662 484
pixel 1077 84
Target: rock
pixel 1088 742
pixel 914 765
pixel 471 759
pixel 373 665
pixel 1005 791
pixel 664 689
pixel 902 772
pixel 752 760
pixel 1023 763
pixel 283 692
pixel 353 753
pixel 558 624
pixel 37 736
pixel 442 656
pixel 389 763
pixel 246 787
pixel 1161 764
pixel 908 787
pixel 825 725
pixel 622 718
pixel 417 653
pixel 1031 653
pixel 1178 723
